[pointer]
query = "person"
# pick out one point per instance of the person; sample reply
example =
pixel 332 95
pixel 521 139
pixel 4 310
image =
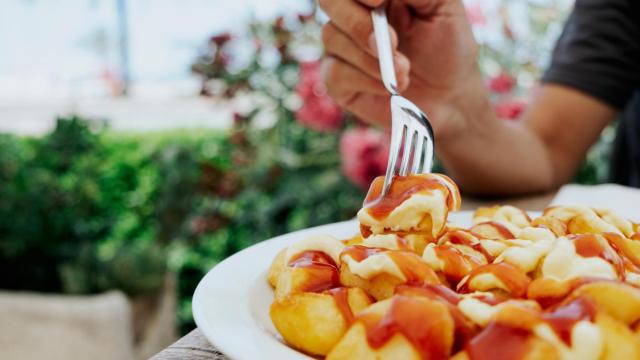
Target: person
pixel 594 75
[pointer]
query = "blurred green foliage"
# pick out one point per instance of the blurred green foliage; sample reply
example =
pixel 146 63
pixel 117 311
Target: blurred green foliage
pixel 63 197
pixel 85 210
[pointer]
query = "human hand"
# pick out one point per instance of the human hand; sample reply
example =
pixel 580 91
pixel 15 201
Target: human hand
pixel 434 56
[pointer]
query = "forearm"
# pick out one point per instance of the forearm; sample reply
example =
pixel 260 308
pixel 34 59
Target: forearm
pixel 504 158
pixel 490 156
pixel 543 150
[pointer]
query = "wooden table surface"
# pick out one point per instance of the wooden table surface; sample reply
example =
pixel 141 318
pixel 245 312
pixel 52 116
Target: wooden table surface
pixel 194 346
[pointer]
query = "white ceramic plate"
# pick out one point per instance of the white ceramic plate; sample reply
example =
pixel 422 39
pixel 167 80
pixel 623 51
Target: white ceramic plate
pixel 231 303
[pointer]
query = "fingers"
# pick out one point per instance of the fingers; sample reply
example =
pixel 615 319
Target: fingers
pixel 339 45
pixel 338 75
pixel 354 19
pixel 371 108
pixel 355 91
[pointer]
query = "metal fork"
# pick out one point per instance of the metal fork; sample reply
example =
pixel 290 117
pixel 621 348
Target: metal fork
pixel 411 133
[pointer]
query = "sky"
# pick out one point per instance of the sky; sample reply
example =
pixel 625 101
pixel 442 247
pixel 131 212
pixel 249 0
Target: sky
pixel 64 48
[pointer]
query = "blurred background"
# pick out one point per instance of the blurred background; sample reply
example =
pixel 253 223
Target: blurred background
pixel 145 141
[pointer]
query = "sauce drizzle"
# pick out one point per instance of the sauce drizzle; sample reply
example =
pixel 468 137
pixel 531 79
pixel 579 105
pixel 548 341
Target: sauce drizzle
pixel 462 237
pixel 499 342
pixel 589 245
pixel 360 252
pixel 413 268
pixel 341 298
pixel 456 264
pixel 323 271
pixel 425 323
pixel 402 188
pixel 563 318
pixel 500 232
pixel 513 278
pixel 464 328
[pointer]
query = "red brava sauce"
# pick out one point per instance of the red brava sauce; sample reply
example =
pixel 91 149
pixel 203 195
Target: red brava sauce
pixel 402 187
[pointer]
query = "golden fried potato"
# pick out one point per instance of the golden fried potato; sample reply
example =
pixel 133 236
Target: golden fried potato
pixel 314 322
pixel 354 346
pixel 276 268
pixel 461 355
pixel 616 299
pixel 619 341
pixel 586 220
pixel 417 203
pixel 354 240
pixel 554 224
pixel 536 349
pixel 306 279
pixel 492 230
pixel 417 242
pixel 391 322
pixel 379 271
pixel 628 247
pixel 380 287
pixel 502 213
pixel 410 241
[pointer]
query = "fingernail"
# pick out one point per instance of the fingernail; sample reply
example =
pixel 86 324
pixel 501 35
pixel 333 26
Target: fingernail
pixel 401 63
pixel 372 44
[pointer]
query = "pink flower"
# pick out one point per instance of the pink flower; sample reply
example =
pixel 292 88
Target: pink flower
pixel 502 83
pixel 318 110
pixel 364 153
pixel 509 109
pixel 475 14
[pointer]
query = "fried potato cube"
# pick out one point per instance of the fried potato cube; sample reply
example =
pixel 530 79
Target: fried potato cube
pixel 392 323
pixel 379 271
pixel 276 268
pixel 536 348
pixel 417 203
pixel 380 287
pixel 619 341
pixel 314 322
pixel 357 239
pixel 616 299
pixel 306 279
pixel 554 224
pixel 504 213
pixel 417 242
pixel 493 230
pixel 354 346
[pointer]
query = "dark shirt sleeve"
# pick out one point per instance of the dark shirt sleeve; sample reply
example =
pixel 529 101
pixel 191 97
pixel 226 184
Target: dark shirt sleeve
pixel 599 50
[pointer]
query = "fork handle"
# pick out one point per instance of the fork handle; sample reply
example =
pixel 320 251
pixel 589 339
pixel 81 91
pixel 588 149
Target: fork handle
pixel 385 53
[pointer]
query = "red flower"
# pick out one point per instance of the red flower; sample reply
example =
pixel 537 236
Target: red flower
pixel 475 14
pixel 364 153
pixel 509 109
pixel 502 83
pixel 318 110
pixel 221 38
